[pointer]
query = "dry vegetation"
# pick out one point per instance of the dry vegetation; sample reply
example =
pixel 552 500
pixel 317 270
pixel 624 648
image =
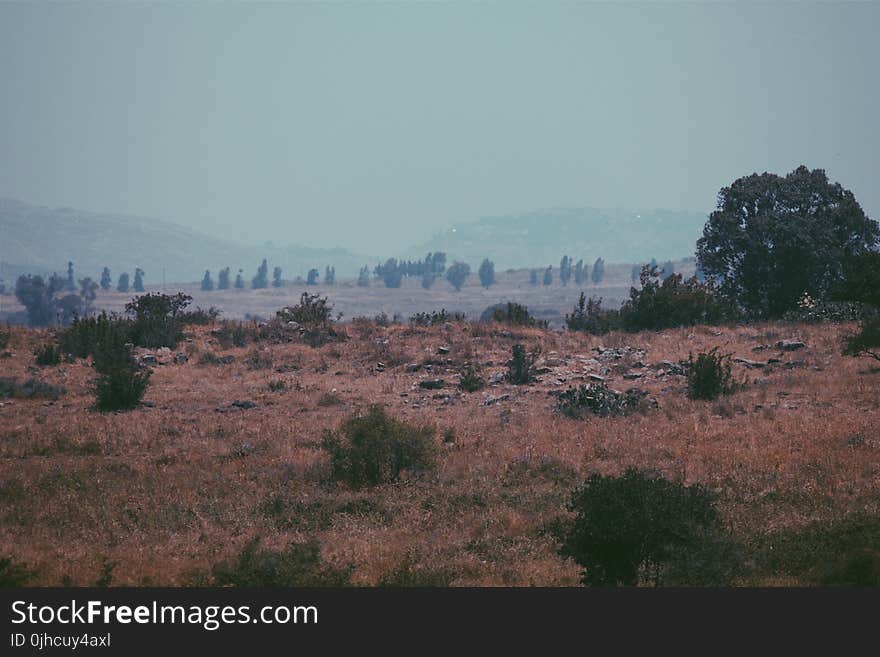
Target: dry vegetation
pixel 159 494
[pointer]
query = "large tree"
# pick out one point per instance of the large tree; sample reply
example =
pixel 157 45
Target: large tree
pixel 772 238
pixel 487 273
pixel 457 274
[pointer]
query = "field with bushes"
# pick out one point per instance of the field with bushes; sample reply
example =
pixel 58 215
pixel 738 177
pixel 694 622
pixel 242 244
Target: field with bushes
pixel 397 454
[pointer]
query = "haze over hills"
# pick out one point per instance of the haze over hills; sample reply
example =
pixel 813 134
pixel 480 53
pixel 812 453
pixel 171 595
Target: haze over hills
pixel 540 238
pixel 41 240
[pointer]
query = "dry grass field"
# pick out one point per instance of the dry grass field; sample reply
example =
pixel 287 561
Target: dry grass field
pixel 159 494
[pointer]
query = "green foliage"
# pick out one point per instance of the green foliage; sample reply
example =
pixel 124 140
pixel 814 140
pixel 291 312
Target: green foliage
pixel 772 239
pixel 709 376
pixel 239 280
pixel 261 280
pixel 39 297
pixel 29 389
pixel 565 270
pixel 470 379
pixel 861 279
pixel 48 354
pixel 299 565
pixel 158 319
pixel 329 275
pixel 520 367
pixel 122 285
pixel 207 282
pixel 121 381
pixel 457 274
pixel 13 574
pixel 138 284
pixel 375 448
pixel 223 279
pixel 598 273
pixel 436 318
pixel 81 338
pixel 276 277
pixel 106 280
pixel 513 314
pixel 867 341
pixel 588 316
pixel 598 399
pixel 628 529
pixel 548 276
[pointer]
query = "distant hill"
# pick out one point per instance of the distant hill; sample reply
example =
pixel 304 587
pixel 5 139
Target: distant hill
pixel 40 240
pixel 541 238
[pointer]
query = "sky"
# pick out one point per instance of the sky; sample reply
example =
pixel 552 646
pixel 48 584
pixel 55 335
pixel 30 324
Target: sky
pixel 373 126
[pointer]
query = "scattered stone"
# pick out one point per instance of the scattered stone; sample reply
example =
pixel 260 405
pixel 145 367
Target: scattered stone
pixel 542 370
pixel 180 358
pixel 630 376
pixel 596 377
pixel 243 403
pixel 752 364
pixel 413 367
pixel 790 345
pixel 773 361
pixel 149 359
pixel 163 351
pixel 380 367
pixel 228 360
pixel 442 350
pixel 553 362
pixel 793 364
pixel 491 399
pixel 432 384
pixel 498 377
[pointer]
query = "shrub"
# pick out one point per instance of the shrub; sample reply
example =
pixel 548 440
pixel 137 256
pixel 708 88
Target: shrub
pixel 375 448
pixel 709 375
pixel 589 317
pixel 233 334
pixel 30 389
pixel 627 529
pixel 436 318
pixel 598 399
pixel 470 379
pixel 667 301
pixel 513 314
pixel 867 341
pixel 82 337
pixel 313 315
pixel 14 575
pixel 298 565
pixel 199 316
pixel 121 381
pixel 48 354
pixel 520 366
pixel 158 319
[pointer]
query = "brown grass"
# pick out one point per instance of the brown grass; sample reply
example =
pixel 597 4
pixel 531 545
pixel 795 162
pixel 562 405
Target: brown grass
pixel 170 489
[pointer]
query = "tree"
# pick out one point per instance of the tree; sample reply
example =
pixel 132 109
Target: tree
pixel 565 270
pixel 364 277
pixel 390 272
pixel 457 273
pixel 38 297
pixel 261 280
pixel 772 239
pixel 276 276
pixel 329 275
pixel 580 272
pixel 548 276
pixel 861 280
pixel 667 271
pixel 122 284
pixel 312 277
pixel 106 281
pixel 71 283
pixel 239 280
pixel 88 291
pixel 533 277
pixel 487 273
pixel 138 284
pixel 223 279
pixel 598 271
pixel 207 282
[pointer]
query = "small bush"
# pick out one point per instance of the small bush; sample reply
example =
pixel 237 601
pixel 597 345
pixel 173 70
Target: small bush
pixel 520 367
pixel 598 399
pixel 158 319
pixel 258 359
pixel 867 341
pixel 30 389
pixel 299 565
pixel 121 381
pixel 513 314
pixel 470 379
pixel 81 338
pixel 709 376
pixel 312 316
pixel 628 529
pixel 277 386
pixel 436 318
pixel 671 302
pixel 234 334
pixel 14 575
pixel 47 355
pixel 199 316
pixel 588 316
pixel 375 448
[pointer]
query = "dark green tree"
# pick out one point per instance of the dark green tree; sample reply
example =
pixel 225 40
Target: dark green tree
pixel 457 274
pixel 223 279
pixel 71 282
pixel 106 281
pixel 548 276
pixel 487 273
pixel 239 280
pixel 207 282
pixel 122 285
pixel 138 284
pixel 261 280
pixel 88 292
pixel 598 273
pixel 580 273
pixel 565 270
pixel 772 239
pixel 364 277
pixel 312 277
pixel 329 275
pixel 39 297
pixel 276 277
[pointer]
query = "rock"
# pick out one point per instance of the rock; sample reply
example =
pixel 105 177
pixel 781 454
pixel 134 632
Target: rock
pixel 432 384
pixel 413 367
pixel 442 350
pixel 243 403
pixel 630 376
pixel 180 358
pixel 542 370
pixel 226 360
pixel 790 345
pixel 596 378
pixel 490 399
pixel 380 367
pixel 498 377
pixel 163 351
pixel 753 364
pixel 773 361
pixel 794 364
pixel 149 359
pixel 553 362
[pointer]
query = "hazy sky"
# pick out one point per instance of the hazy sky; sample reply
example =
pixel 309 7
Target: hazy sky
pixel 373 126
